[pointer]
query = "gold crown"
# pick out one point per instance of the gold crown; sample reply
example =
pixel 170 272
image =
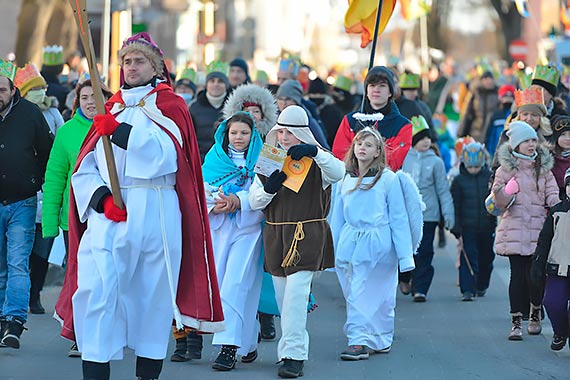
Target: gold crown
pixel 26 74
pixel 53 55
pixel 532 95
pixel 7 69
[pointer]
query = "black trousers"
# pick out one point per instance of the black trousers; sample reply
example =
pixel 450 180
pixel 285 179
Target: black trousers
pixel 521 291
pixel 146 369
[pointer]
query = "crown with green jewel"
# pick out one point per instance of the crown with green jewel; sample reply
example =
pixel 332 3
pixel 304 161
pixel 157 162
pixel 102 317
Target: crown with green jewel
pixel 218 66
pixel 419 123
pixel 53 55
pixel 409 81
pixel 548 74
pixel 187 73
pixel 7 69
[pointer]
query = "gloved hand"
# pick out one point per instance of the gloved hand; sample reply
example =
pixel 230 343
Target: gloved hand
pixel 512 187
pixel 275 182
pixel 537 271
pixel 105 124
pixel 302 150
pixel 112 212
pixel 449 224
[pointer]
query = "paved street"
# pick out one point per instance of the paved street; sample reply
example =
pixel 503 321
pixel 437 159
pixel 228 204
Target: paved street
pixel 441 339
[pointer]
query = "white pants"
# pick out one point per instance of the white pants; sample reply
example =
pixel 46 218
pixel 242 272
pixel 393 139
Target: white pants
pixel 292 294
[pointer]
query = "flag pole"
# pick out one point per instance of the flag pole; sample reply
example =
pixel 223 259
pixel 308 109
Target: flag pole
pixel 373 51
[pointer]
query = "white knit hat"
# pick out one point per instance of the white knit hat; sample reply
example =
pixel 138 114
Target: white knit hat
pixel 519 132
pixel 296 121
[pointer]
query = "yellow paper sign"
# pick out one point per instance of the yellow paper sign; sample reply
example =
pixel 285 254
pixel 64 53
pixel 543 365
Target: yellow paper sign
pixel 296 172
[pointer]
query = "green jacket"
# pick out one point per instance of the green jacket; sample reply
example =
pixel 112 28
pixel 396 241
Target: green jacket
pixel 60 166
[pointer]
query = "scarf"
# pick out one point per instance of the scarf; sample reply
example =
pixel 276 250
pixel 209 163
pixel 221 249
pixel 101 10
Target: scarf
pixel 219 169
pixel 216 101
pixel 525 157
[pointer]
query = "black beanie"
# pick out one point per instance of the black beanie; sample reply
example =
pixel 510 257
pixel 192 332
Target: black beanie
pixel 559 124
pixel 420 135
pixel 317 86
pixel 242 64
pixel 383 72
pixel 547 86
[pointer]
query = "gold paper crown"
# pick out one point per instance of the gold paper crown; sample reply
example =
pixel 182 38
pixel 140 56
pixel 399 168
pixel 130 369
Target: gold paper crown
pixel 548 74
pixel 532 95
pixel 7 69
pixel 28 77
pixel 187 73
pixel 409 81
pixel 219 66
pixel 53 55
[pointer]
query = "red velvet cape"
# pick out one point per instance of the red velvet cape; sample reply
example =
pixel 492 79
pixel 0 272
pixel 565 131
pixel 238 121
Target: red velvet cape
pixel 198 296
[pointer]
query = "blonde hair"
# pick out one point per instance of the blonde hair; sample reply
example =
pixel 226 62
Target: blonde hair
pixel 148 51
pixel 377 165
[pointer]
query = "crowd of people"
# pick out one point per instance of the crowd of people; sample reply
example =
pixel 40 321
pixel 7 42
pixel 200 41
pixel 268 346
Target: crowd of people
pixel 196 239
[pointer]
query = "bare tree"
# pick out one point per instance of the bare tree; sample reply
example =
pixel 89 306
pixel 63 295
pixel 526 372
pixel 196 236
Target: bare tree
pixel 43 22
pixel 511 24
pixel 437 21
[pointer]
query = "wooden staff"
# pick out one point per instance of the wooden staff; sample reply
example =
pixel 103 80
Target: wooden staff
pixel 80 14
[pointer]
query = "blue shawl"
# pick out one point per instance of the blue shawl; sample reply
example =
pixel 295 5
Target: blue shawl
pixel 219 169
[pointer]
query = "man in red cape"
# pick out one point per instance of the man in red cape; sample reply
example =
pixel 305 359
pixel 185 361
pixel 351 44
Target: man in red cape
pixel 128 276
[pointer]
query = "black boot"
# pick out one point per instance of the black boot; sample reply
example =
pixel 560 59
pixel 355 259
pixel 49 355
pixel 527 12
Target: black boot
pixel 38 270
pixel 291 369
pixel 35 305
pixel 226 359
pixel 3 327
pixel 181 351
pixel 267 325
pixel 12 333
pixel 194 345
pixel 148 369
pixel 96 371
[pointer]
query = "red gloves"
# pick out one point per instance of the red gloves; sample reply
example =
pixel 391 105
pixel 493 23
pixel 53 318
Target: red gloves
pixel 112 212
pixel 105 124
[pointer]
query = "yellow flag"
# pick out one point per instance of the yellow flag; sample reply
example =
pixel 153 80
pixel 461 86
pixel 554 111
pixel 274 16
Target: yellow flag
pixel 360 18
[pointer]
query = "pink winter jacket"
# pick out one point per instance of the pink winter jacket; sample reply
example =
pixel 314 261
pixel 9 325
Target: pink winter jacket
pixel 520 225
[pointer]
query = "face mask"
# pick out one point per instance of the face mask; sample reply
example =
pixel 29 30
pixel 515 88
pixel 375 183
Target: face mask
pixel 187 97
pixel 36 96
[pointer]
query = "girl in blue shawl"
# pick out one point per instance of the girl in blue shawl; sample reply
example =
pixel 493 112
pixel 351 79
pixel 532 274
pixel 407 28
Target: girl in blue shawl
pixel 236 234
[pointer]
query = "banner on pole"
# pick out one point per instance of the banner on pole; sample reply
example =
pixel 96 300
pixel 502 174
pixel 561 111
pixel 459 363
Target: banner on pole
pixel 361 16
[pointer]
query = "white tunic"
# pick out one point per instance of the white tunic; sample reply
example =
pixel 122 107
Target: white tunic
pixel 128 272
pixel 237 242
pixel 371 234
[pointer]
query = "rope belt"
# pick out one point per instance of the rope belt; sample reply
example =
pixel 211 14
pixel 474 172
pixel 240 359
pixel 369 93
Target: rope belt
pixel 293 256
pixel 158 189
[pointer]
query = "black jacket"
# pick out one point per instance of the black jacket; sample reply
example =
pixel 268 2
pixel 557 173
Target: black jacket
pixel 25 144
pixel 469 192
pixel 204 117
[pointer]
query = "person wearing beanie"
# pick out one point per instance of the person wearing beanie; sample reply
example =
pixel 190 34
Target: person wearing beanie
pixel 239 73
pixel 206 110
pixel 523 187
pixel 186 89
pixel 288 214
pixel 499 118
pixel 427 170
pixel 561 149
pixel 290 93
pixel 483 102
pixel 52 66
pixel 342 94
pixel 329 112
pixel 154 254
pixel 474 227
pixel 549 267
pixel 381 113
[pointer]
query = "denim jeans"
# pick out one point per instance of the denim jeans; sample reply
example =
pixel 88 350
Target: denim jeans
pixel 17 230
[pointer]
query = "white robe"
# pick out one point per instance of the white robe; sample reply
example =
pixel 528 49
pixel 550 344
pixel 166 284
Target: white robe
pixel 372 235
pixel 128 272
pixel 237 242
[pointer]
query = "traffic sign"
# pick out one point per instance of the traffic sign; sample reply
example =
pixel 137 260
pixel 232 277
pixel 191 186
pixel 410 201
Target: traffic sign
pixel 518 49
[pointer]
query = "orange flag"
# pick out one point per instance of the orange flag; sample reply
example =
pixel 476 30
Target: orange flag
pixel 361 16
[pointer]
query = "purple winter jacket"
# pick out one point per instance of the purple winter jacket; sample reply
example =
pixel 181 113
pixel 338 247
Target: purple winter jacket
pixel 520 225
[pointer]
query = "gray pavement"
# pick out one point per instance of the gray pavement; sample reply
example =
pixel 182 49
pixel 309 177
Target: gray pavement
pixel 441 339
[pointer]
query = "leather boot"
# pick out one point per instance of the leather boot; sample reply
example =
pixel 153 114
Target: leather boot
pixel 516 328
pixel 194 345
pixel 267 325
pixel 180 351
pixel 534 327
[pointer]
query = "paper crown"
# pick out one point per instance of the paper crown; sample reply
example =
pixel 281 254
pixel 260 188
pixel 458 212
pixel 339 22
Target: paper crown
pixel 473 154
pixel 7 69
pixel 290 65
pixel 344 83
pixel 261 76
pixel 461 142
pixel 532 95
pixel 187 73
pixel 409 81
pixel 484 67
pixel 53 55
pixel 439 121
pixel 28 77
pixel 419 123
pixel 218 66
pixel 547 73
pixel 525 80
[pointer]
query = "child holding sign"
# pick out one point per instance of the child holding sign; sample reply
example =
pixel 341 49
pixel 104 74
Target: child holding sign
pixel 297 238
